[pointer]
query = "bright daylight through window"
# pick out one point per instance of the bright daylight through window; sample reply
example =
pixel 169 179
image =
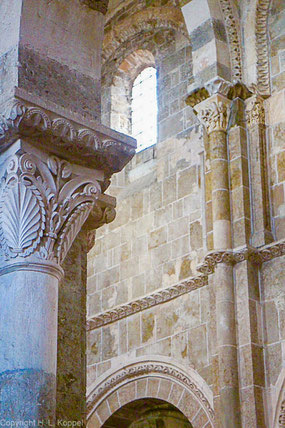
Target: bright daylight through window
pixel 144 108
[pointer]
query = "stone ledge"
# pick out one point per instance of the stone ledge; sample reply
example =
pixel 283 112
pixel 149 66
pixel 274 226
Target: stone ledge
pixel 63 133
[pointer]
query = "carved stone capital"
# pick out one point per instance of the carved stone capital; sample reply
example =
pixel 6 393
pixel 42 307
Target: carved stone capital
pixel 218 86
pixel 255 113
pixel 44 201
pixel 214 113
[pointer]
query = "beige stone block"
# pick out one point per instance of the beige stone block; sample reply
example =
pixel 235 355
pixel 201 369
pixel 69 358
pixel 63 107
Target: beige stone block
pixel 281 166
pixel 226 323
pixel 110 341
pixel 237 143
pixel 185 270
pixel 273 278
pixel 108 277
pixel 103 367
pixel 103 411
pixel 113 239
pixel 129 268
pixel 179 346
pixel 113 402
pixel 258 365
pixel 94 304
pixel 127 393
pixel 134 329
pixel 157 237
pixel 221 206
pixel 201 419
pixel 161 254
pixel 175 394
pixel 169 190
pixel 196 238
pixel 278 198
pixel 275 107
pixel 273 362
pixel 156 196
pixel 136 205
pixel 164 389
pixel 148 326
pixel 189 405
pixel 152 387
pixel 180 247
pixel 198 349
pixel 228 366
pixel 271 322
pixel 141 388
pixel 94 346
pixel 94 422
pixel 125 251
pixel 138 286
pixel 208 186
pixel 178 228
pixel 187 181
pixel 123 337
pixel 177 209
pixel 246 369
pixel 163 216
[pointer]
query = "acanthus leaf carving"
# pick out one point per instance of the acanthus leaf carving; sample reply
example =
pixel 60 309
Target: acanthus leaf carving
pixel 43 206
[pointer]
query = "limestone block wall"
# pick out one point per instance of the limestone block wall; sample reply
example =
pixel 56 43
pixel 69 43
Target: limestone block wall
pixel 156 240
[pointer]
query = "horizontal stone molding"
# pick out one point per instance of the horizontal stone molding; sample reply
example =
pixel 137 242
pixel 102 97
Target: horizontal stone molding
pixel 147 302
pixel 151 369
pixel 95 146
pixel 256 256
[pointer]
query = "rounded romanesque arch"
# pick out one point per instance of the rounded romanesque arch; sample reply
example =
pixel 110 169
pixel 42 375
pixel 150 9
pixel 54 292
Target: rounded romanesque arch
pixel 152 379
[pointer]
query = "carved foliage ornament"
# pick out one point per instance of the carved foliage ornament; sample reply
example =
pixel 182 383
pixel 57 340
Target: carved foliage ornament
pixel 42 207
pixel 215 117
pixel 255 112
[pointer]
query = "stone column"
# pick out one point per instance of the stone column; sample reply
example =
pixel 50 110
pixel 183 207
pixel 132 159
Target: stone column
pixel 261 222
pixel 214 113
pixel 44 202
pixel 55 160
pixel 71 370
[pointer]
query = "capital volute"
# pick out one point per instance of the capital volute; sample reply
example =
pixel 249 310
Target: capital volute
pixel 255 112
pixel 44 201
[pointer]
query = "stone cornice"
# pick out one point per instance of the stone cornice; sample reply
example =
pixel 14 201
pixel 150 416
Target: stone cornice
pixel 96 146
pixel 232 257
pixel 254 255
pixel 149 301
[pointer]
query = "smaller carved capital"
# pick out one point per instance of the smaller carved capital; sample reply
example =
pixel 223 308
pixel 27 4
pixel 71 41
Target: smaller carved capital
pixel 255 113
pixel 197 96
pixel 214 113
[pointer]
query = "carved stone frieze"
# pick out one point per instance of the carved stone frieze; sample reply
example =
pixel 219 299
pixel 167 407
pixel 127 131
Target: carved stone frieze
pixel 43 205
pixel 255 112
pixel 99 5
pixel 214 116
pixel 281 419
pixel 93 147
pixel 143 369
pixel 139 305
pixel 262 48
pixel 234 40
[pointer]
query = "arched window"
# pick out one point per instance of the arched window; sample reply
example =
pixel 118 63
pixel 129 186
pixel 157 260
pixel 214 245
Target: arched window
pixel 144 108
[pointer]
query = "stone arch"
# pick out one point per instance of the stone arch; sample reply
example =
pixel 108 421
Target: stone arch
pixel 152 378
pixel 279 402
pixel 146 20
pixel 226 51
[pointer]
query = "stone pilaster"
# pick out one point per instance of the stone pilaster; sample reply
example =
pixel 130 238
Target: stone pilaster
pixel 214 114
pixel 71 371
pixel 261 222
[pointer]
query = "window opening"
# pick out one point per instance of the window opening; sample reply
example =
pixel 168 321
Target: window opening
pixel 144 108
